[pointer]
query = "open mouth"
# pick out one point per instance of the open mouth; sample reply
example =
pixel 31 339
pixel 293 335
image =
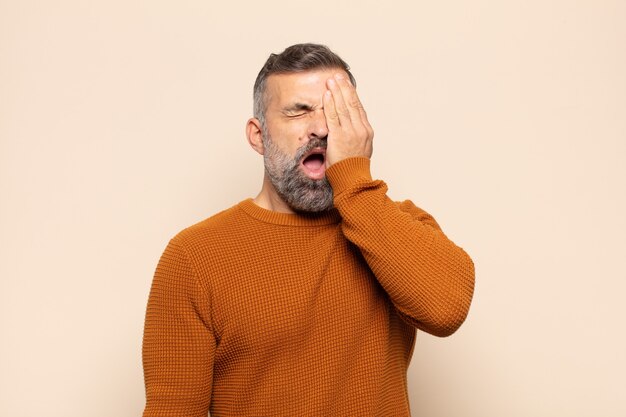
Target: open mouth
pixel 313 163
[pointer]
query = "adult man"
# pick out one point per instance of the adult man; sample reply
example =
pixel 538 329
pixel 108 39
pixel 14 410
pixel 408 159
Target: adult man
pixel 303 301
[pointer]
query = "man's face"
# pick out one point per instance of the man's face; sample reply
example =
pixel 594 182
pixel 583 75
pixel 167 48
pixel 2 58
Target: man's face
pixel 295 139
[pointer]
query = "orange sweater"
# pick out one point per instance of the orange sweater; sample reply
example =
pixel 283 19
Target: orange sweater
pixel 258 313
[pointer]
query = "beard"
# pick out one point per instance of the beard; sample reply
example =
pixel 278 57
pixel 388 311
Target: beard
pixel 301 193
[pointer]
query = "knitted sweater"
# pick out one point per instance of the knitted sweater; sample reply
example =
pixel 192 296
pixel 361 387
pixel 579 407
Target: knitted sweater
pixel 259 313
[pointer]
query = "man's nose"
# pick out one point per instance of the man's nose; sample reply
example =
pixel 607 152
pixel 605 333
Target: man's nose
pixel 317 126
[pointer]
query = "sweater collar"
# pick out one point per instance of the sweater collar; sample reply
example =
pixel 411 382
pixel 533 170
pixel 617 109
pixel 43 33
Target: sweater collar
pixel 329 217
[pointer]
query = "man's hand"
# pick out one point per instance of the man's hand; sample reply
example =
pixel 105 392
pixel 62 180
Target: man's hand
pixel 349 132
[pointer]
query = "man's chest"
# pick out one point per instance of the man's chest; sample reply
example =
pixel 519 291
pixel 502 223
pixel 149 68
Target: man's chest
pixel 266 297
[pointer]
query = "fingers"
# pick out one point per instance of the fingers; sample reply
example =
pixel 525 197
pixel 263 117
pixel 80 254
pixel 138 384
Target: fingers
pixel 343 115
pixel 347 104
pixel 330 112
pixel 350 97
pixel 349 132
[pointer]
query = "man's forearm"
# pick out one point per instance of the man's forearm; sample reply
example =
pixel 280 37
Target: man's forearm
pixel 429 279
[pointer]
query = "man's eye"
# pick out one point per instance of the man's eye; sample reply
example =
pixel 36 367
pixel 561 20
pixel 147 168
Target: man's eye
pixel 296 115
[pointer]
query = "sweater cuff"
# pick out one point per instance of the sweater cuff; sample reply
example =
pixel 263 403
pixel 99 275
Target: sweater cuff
pixel 347 173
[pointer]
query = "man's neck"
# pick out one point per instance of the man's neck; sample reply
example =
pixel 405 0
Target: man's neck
pixel 269 199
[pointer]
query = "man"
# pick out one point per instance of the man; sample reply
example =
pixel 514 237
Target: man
pixel 303 301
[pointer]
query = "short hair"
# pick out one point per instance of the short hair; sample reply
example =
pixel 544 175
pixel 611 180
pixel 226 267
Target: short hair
pixel 296 58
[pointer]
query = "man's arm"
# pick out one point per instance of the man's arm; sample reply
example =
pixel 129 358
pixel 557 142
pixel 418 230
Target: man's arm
pixel 429 279
pixel 178 342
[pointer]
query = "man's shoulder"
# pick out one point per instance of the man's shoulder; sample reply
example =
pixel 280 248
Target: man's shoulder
pixel 212 229
pixel 416 213
pixel 408 206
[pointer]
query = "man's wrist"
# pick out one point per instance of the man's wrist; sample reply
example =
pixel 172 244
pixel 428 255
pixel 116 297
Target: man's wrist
pixel 347 173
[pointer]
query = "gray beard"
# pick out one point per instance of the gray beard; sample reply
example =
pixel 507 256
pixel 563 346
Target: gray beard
pixel 300 192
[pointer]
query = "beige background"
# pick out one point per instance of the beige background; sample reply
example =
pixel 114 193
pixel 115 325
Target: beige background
pixel 121 122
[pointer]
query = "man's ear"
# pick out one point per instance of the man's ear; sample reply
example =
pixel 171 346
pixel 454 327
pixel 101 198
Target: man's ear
pixel 255 135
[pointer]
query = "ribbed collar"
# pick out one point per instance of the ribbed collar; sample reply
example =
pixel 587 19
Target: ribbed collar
pixel 302 220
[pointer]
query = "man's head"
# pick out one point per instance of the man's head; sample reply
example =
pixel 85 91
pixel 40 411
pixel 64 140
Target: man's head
pixel 296 58
pixel 289 128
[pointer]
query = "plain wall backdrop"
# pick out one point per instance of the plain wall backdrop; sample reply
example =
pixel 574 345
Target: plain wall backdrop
pixel 122 122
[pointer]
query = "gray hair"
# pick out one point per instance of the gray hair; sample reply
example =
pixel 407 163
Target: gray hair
pixel 296 58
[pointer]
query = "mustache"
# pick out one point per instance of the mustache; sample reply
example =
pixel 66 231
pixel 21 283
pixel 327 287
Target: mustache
pixel 309 146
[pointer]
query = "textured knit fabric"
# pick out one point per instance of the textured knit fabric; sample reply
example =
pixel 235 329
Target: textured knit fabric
pixel 258 313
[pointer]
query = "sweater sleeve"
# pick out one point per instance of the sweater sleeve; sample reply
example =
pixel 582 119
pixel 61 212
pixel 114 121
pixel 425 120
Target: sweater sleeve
pixel 178 342
pixel 429 279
